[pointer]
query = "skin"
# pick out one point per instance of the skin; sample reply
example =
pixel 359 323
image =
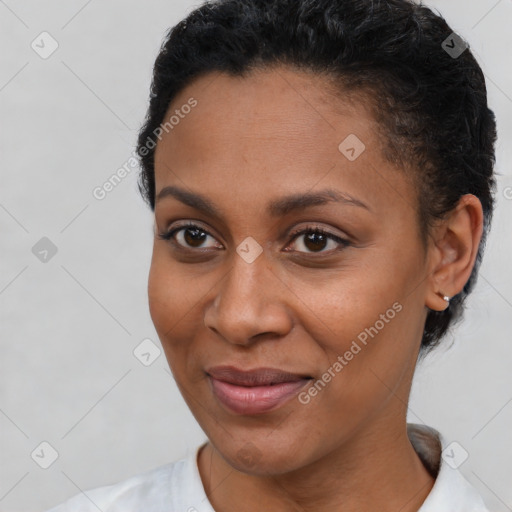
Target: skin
pixel 298 306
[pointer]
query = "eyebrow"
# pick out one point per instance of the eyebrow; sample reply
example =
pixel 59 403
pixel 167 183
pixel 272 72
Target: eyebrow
pixel 275 208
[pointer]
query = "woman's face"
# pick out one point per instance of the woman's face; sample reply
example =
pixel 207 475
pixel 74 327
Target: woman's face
pixel 252 286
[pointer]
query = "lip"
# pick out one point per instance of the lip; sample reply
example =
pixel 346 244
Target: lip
pixel 254 391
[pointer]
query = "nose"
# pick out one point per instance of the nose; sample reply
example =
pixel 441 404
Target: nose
pixel 250 302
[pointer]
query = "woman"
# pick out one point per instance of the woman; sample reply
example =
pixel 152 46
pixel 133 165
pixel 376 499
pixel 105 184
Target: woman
pixel 321 173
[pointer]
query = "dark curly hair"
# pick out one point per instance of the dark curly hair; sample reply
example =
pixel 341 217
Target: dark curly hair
pixel 431 105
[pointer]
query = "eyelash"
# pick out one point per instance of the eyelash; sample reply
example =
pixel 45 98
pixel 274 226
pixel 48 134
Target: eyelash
pixel 168 236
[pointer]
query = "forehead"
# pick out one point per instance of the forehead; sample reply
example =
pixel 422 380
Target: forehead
pixel 274 131
pixel 286 109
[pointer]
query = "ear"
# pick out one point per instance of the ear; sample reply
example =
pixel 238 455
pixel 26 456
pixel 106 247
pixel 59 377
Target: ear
pixel 453 250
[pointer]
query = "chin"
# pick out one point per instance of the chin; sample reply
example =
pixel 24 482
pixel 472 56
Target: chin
pixel 263 458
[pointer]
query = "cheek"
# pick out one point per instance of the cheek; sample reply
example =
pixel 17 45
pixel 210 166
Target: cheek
pixel 175 296
pixel 171 300
pixel 337 307
pixel 366 368
pixel 367 321
pixel 169 315
pixel 162 297
pixel 172 292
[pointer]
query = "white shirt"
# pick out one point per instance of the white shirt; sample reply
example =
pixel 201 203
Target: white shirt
pixel 177 487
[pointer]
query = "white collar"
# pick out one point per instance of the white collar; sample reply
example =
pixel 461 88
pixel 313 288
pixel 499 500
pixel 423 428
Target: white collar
pixel 451 491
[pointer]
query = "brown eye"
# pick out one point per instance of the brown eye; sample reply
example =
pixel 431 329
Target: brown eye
pixel 190 237
pixel 317 240
pixel 194 237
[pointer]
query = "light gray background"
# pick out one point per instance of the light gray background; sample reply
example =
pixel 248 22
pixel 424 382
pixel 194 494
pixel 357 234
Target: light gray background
pixel 69 326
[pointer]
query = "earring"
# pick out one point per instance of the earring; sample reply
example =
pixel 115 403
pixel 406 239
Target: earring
pixel 447 299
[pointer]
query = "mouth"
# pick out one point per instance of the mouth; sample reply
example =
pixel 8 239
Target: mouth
pixel 254 391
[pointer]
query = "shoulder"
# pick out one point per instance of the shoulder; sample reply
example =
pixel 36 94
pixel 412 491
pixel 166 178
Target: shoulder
pixel 168 487
pixel 451 491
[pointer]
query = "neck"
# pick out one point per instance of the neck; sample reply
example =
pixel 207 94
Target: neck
pixel 375 472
